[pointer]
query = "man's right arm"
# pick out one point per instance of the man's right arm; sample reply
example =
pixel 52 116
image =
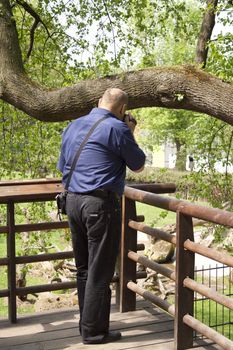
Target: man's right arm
pixel 139 170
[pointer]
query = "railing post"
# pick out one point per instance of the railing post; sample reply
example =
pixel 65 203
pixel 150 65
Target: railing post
pixel 184 296
pixel 127 298
pixel 12 265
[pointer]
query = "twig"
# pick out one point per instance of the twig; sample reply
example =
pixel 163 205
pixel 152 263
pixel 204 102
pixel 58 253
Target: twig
pixel 37 21
pixel 112 27
pixel 32 34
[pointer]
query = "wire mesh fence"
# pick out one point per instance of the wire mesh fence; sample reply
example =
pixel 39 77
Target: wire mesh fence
pixel 214 315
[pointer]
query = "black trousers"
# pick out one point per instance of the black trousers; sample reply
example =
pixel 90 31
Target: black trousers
pixel 95 224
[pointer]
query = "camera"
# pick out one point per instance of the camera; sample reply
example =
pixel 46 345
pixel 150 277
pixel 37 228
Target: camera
pixel 130 118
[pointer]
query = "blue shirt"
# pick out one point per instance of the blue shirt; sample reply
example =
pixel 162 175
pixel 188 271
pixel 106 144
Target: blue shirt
pixel 103 160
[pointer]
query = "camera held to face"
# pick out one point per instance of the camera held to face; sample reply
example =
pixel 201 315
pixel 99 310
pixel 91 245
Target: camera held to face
pixel 129 118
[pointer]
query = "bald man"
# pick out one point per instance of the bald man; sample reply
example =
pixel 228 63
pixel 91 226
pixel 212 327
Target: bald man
pixel 93 204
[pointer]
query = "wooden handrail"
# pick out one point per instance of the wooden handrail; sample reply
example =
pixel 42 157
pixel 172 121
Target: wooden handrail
pixel 26 259
pixel 163 304
pixel 4 293
pixel 155 188
pixel 29 181
pixel 208 292
pixel 217 216
pixel 152 265
pixel 63 285
pixel 210 253
pixel 210 333
pixel 153 232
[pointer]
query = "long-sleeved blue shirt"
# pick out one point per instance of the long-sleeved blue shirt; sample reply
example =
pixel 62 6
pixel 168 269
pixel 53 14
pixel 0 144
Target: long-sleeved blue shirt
pixel 103 160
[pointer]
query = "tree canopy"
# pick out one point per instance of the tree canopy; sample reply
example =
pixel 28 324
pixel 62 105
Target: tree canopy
pixel 29 31
pixel 57 57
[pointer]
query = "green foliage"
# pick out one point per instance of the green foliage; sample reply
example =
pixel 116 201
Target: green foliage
pixel 220 58
pixel 181 179
pixel 29 148
pixel 155 217
pixel 207 139
pixel 215 188
pixel 211 144
pixel 172 42
pixel 163 125
pixel 172 38
pixel 83 40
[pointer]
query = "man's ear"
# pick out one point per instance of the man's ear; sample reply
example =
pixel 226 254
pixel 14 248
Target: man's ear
pixel 99 103
pixel 123 110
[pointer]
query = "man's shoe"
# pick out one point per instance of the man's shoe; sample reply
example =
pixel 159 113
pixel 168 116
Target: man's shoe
pixel 111 336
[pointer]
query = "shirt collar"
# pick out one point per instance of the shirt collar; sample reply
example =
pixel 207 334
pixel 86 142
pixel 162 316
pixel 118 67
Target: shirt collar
pixel 102 111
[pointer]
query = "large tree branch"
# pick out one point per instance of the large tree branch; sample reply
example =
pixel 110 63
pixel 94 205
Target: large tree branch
pixel 207 27
pixel 10 53
pixel 183 87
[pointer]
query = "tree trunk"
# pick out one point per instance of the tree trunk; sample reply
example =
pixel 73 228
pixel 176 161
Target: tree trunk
pixel 207 27
pixel 183 87
pixel 180 156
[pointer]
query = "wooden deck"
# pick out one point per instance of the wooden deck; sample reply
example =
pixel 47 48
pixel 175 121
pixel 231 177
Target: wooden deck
pixel 146 328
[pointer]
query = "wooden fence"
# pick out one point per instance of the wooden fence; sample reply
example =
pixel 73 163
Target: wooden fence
pixel 45 190
pixel 186 248
pixel 13 192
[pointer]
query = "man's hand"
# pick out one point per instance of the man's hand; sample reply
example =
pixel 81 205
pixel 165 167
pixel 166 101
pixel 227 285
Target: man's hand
pixel 130 121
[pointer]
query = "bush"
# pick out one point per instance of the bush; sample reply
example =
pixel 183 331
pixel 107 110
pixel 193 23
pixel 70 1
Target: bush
pixel 181 179
pixel 215 188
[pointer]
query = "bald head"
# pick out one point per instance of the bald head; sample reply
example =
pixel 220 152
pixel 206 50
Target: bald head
pixel 115 100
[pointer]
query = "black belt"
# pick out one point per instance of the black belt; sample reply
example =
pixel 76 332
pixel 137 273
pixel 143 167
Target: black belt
pixel 102 193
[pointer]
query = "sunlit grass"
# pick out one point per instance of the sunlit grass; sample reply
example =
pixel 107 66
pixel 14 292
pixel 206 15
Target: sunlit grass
pixel 155 216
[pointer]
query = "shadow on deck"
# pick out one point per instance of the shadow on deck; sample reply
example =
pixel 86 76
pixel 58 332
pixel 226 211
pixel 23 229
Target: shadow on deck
pixel 146 328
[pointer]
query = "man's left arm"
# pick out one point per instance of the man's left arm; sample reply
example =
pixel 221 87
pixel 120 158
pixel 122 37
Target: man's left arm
pixel 132 154
pixel 61 162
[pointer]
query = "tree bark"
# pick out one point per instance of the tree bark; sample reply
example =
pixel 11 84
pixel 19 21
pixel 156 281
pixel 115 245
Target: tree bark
pixel 207 27
pixel 160 87
pixel 181 87
pixel 180 156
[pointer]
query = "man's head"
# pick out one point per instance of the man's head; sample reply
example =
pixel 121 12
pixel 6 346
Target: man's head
pixel 115 100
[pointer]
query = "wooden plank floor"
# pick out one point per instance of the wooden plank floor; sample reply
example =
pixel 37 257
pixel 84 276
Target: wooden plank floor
pixel 146 328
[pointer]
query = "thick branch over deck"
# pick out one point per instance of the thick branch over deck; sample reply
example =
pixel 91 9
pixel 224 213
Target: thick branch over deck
pixel 183 87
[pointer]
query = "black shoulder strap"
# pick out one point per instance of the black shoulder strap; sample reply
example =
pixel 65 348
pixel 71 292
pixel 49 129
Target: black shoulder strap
pixel 80 150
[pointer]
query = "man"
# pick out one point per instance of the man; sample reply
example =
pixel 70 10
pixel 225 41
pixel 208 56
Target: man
pixel 191 163
pixel 93 205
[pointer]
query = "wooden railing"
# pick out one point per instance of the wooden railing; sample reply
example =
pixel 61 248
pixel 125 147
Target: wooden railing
pixel 13 192
pixel 45 190
pixel 186 248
